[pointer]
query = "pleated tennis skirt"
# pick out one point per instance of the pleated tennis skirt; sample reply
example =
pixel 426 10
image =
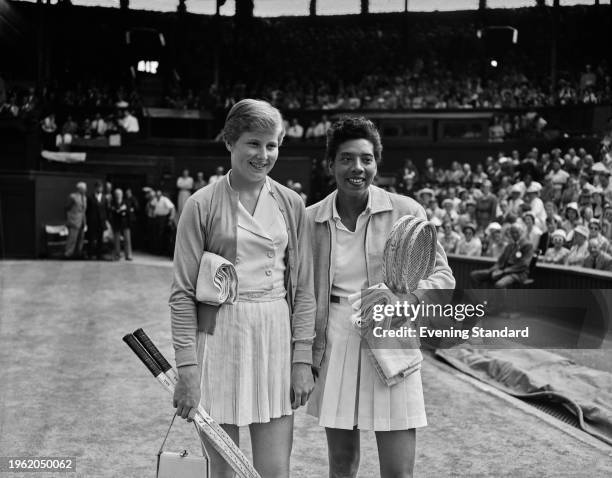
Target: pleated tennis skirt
pixel 349 393
pixel 246 363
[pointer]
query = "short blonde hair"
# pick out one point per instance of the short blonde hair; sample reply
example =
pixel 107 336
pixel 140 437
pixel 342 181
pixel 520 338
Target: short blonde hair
pixel 252 115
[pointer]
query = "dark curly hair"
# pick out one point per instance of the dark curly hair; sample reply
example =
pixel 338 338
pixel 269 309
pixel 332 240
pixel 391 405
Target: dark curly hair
pixel 352 127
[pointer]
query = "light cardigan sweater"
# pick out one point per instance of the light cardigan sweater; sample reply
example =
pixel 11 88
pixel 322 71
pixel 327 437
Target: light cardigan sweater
pixel 208 222
pixel 385 209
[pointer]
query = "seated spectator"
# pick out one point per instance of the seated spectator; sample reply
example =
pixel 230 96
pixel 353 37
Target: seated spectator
pixel 580 248
pixel 557 253
pixel 512 266
pixel 448 212
pixel 597 259
pixel 449 239
pixel 295 131
pixel 99 126
pixel 495 243
pixel 470 244
pixel 595 234
pixel 310 131
pixel 129 122
pixel 545 241
pixel 322 126
pixel 572 219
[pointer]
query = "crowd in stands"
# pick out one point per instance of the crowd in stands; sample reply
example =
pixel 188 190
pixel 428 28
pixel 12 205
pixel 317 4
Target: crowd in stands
pixel 561 201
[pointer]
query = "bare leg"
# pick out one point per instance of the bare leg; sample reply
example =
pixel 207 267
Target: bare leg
pixel 271 443
pixel 343 452
pixel 218 466
pixel 396 450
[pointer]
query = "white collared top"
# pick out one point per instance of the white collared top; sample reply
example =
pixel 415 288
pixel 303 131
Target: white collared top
pixel 350 272
pixel 261 242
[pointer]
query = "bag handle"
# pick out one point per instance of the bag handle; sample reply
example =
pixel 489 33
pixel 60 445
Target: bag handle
pixel 161 448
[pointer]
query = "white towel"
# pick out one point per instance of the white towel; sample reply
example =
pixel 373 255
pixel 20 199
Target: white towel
pixel 217 280
pixel 393 358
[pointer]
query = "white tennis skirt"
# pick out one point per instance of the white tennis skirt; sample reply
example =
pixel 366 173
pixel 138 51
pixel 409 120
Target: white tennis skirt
pixel 246 371
pixel 349 393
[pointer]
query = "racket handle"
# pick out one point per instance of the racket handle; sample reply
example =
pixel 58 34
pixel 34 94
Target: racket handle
pixel 142 354
pixel 152 350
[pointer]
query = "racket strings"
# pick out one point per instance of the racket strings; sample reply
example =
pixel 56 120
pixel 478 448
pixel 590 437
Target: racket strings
pixel 410 253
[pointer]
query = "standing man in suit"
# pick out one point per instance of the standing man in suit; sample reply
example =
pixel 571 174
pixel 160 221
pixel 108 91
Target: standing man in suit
pixel 76 205
pixel 597 259
pixel 512 265
pixel 97 215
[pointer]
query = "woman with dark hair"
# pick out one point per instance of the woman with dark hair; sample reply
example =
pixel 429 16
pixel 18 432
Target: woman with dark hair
pixel 348 231
pixel 256 366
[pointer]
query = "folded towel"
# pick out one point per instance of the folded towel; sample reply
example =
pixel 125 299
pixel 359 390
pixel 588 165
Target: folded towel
pixel 217 280
pixel 394 358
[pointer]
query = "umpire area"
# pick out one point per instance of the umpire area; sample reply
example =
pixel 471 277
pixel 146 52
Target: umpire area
pixel 73 388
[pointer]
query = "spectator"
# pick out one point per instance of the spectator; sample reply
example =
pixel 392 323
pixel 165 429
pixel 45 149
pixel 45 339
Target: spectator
pixel 128 122
pixel 99 126
pixel 580 248
pixel 532 232
pixel 495 241
pixel 572 219
pixel 536 206
pixel 200 182
pixel 321 128
pixel 545 241
pixel 597 259
pixel 97 221
pixel 76 207
pixel 295 131
pixel 164 219
pixel 120 220
pixel 311 131
pixel 512 266
pixel 557 253
pixel 449 239
pixel 595 234
pixel 469 245
pixel 297 187
pixel 486 206
pixel 184 184
pixel 219 173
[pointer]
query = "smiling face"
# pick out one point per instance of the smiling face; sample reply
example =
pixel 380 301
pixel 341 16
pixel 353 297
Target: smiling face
pixel 354 167
pixel 253 155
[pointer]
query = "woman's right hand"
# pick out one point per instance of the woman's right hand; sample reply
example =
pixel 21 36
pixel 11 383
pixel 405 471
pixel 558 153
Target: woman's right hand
pixel 187 391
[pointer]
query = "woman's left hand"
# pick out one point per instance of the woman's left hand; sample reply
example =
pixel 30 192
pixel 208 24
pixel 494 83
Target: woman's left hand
pixel 302 384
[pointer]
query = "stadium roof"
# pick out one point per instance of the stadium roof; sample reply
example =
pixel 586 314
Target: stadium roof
pixel 273 8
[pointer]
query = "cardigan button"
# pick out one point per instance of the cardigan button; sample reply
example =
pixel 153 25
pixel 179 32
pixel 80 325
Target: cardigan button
pixel 268 272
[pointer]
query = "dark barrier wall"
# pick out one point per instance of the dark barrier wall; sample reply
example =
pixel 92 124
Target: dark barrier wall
pixel 546 276
pixel 28 201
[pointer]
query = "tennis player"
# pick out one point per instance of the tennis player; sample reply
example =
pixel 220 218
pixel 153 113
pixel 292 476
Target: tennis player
pixel 250 360
pixel 349 229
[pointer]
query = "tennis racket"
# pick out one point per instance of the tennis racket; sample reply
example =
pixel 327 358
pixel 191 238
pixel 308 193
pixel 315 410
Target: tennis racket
pixel 155 362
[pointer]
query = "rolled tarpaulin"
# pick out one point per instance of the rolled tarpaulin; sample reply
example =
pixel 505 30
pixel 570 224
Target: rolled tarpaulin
pixel 217 281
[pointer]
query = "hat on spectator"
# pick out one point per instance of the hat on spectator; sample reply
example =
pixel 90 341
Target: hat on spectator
pixel 529 213
pixel 600 168
pixel 516 189
pixel 494 226
pixel 596 221
pixel 469 225
pixel 425 191
pixel 560 233
pixel 582 230
pixel 534 187
pixel 122 104
pixel 448 201
pixel 436 221
pixel 572 205
pixel 470 202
